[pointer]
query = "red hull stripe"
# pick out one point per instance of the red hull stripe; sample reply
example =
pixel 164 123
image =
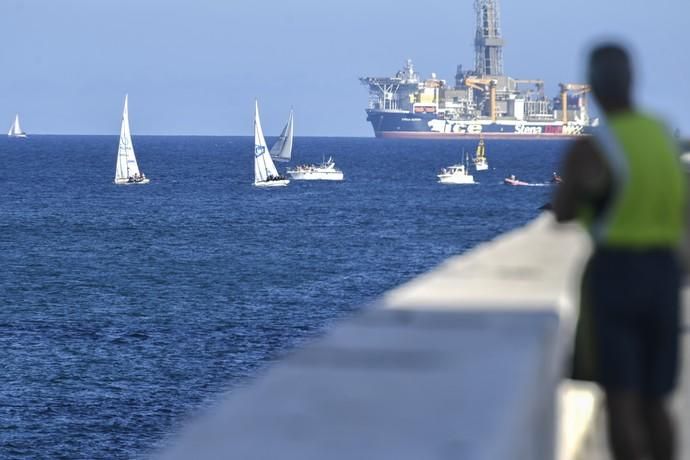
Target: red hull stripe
pixel 511 136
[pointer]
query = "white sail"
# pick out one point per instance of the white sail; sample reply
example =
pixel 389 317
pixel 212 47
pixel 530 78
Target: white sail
pixel 127 166
pixel 16 129
pixel 282 149
pixel 263 164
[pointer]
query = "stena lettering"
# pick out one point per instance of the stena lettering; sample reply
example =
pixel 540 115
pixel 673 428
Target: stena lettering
pixel 573 129
pixel 524 129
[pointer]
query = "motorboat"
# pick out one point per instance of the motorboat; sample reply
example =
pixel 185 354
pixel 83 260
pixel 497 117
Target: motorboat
pixel 456 174
pixel 324 171
pixel 512 180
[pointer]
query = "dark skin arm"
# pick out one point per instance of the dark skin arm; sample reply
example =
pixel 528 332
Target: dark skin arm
pixel 586 180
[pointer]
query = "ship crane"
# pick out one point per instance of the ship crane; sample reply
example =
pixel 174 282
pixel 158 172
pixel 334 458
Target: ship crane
pixel 485 84
pixel 577 89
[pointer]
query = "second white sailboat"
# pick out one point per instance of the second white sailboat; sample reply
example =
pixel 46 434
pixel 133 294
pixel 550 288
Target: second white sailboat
pixel 282 149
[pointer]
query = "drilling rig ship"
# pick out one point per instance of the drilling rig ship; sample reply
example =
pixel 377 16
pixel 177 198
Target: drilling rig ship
pixel 482 102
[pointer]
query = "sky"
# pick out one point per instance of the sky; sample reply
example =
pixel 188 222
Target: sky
pixel 196 66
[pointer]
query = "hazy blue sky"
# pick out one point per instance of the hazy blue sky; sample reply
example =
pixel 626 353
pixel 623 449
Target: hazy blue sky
pixel 195 66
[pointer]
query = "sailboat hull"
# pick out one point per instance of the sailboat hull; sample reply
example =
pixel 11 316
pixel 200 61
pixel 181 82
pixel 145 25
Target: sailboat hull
pixel 272 183
pixel 17 136
pixel 128 182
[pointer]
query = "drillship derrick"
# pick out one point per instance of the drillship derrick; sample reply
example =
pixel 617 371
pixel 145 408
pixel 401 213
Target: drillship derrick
pixel 483 101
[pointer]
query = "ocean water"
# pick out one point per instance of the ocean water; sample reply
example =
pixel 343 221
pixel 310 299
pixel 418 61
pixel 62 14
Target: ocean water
pixel 126 310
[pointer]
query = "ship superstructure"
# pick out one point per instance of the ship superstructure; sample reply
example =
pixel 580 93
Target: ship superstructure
pixel 483 101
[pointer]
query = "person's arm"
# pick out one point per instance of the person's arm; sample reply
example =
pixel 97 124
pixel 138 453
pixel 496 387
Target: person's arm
pixel 586 180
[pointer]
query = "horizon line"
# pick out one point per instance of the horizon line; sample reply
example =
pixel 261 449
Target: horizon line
pixel 190 135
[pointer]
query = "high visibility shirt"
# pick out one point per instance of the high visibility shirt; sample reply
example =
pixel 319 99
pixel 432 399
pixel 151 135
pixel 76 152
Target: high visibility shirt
pixel 647 208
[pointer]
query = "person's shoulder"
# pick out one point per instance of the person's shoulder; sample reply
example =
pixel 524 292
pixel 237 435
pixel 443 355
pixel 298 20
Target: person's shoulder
pixel 583 150
pixel 586 167
pixel 654 119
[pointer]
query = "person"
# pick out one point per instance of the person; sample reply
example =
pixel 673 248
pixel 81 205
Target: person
pixel 627 186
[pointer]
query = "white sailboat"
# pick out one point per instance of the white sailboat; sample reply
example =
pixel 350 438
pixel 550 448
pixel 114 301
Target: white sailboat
pixel 127 170
pixel 16 129
pixel 282 149
pixel 265 172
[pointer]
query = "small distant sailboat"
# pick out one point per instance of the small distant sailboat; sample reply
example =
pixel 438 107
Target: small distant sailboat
pixel 480 162
pixel 16 129
pixel 456 174
pixel 282 149
pixel 265 172
pixel 127 170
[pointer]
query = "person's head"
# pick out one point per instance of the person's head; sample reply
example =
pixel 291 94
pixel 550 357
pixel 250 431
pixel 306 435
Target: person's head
pixel 610 75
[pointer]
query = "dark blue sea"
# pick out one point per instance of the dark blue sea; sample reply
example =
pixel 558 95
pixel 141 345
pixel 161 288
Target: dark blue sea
pixel 126 310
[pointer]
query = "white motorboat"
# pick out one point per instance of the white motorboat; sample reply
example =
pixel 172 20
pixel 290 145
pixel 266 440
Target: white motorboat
pixel 456 174
pixel 324 171
pixel 127 169
pixel 16 129
pixel 265 172
pixel 282 149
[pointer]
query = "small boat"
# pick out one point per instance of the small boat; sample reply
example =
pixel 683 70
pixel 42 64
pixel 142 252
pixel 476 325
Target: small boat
pixel 282 149
pixel 556 179
pixel 324 171
pixel 512 180
pixel 127 169
pixel 16 130
pixel 265 172
pixel 480 161
pixel 456 174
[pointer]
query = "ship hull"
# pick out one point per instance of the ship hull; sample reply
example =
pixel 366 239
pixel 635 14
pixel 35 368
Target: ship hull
pixel 406 125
